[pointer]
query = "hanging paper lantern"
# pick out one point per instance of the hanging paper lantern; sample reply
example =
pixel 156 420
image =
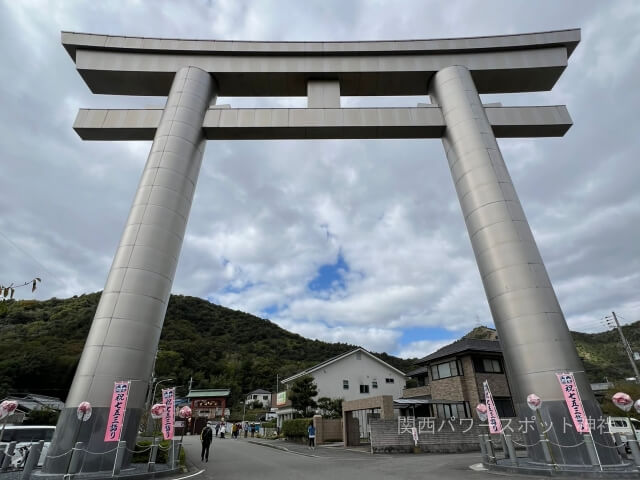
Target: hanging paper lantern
pixel 84 411
pixel 185 412
pixel 7 408
pixel 622 401
pixel 637 405
pixel 158 410
pixel 481 410
pixel 534 401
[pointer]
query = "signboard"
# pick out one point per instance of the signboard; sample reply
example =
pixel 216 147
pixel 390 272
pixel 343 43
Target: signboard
pixel 168 398
pixel 281 398
pixel 572 397
pixel 495 425
pixel 116 412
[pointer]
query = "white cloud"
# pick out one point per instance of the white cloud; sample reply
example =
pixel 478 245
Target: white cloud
pixel 268 214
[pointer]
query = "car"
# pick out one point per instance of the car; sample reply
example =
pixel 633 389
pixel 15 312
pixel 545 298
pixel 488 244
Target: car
pixel 24 436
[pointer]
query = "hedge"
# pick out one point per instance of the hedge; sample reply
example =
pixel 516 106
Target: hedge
pixel 296 427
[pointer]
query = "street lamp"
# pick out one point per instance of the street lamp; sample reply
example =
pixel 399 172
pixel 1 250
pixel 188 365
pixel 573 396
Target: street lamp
pixel 153 396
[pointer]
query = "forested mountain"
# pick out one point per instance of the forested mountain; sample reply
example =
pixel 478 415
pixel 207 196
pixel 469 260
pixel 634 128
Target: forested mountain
pixel 602 353
pixel 41 342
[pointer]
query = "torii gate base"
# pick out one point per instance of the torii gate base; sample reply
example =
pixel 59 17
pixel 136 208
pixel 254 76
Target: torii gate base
pixel 126 329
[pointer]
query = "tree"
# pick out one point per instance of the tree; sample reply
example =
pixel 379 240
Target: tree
pixel 302 393
pixel 331 407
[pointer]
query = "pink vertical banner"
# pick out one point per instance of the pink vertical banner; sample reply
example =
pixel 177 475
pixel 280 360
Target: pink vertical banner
pixel 116 412
pixel 168 399
pixel 572 397
pixel 495 425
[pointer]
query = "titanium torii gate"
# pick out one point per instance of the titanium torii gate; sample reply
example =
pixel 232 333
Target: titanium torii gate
pixel 126 329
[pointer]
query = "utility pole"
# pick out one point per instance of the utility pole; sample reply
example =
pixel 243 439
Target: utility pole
pixel 625 344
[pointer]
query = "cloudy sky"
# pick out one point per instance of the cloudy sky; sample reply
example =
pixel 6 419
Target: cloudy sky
pixel 353 241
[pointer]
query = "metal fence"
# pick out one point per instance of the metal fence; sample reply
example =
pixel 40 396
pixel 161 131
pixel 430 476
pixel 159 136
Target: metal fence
pixel 19 466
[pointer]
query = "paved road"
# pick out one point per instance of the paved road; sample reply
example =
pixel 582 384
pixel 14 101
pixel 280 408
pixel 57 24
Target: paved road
pixel 239 459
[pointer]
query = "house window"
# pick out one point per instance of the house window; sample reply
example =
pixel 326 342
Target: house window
pixel 345 384
pixel 389 380
pixel 265 397
pixel 374 384
pixel 451 410
pixel 504 407
pixel 487 365
pixel 446 369
pixel 364 388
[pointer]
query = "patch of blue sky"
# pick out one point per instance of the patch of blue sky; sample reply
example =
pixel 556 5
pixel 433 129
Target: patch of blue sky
pixel 270 310
pixel 330 276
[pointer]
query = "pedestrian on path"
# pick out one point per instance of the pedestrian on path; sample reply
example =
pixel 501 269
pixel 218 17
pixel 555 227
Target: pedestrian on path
pixel 217 428
pixel 223 429
pixel 312 436
pixel 206 436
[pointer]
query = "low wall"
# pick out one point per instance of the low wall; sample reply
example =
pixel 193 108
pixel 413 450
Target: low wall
pixel 435 435
pixel 327 429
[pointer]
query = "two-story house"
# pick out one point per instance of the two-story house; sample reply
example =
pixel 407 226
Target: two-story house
pixel 351 376
pixel 259 396
pixel 449 381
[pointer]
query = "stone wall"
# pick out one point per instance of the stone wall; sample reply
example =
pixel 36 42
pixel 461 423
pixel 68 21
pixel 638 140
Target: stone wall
pixel 497 383
pixel 389 436
pixel 416 391
pixel 448 389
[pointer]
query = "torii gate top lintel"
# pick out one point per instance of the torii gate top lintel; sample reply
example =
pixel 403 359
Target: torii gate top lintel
pixel 146 66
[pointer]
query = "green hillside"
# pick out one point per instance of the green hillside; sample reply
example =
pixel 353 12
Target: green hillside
pixel 41 342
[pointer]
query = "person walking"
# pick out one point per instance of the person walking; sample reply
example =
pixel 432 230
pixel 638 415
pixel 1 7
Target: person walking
pixel 217 428
pixel 246 429
pixel 206 437
pixel 312 436
pixel 223 429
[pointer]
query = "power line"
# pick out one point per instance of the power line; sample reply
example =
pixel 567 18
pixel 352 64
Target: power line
pixel 21 250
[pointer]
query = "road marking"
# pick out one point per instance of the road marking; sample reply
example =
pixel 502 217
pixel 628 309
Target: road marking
pixel 192 475
pixel 478 467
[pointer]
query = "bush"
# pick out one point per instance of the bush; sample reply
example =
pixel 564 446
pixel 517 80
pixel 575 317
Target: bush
pixel 271 424
pixel 45 416
pixel 296 427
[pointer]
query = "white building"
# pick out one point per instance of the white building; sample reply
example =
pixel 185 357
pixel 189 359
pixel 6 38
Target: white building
pixel 353 375
pixel 262 396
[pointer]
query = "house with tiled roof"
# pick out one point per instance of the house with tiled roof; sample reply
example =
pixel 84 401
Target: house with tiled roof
pixel 449 382
pixel 259 395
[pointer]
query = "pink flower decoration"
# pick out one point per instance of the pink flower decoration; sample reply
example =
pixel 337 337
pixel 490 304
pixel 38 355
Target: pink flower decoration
pixel 185 412
pixel 158 410
pixel 84 411
pixel 534 401
pixel 622 401
pixel 7 408
pixel 637 405
pixel 481 410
